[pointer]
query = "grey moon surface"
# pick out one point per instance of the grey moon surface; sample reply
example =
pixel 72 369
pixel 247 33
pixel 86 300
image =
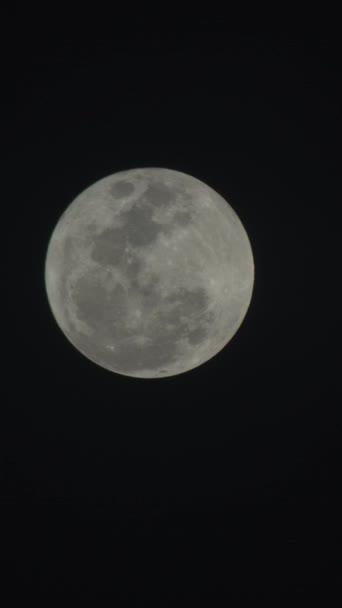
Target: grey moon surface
pixel 149 272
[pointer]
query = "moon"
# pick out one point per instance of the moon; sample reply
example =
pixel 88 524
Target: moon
pixel 149 272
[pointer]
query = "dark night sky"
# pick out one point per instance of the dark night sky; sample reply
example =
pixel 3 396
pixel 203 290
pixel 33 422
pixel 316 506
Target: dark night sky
pixel 219 484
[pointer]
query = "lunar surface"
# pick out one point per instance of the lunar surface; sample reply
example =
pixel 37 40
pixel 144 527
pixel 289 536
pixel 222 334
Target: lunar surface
pixel 149 273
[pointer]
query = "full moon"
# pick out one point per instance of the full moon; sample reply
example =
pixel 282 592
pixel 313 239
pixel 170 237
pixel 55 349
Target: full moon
pixel 149 273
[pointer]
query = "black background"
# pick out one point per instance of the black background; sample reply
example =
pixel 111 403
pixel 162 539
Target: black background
pixel 222 483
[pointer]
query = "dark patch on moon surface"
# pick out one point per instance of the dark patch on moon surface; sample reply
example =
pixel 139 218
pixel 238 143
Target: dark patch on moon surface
pixel 158 194
pixel 103 311
pixel 138 230
pixel 182 218
pixel 121 188
pixel 189 303
pixel 109 249
pixel 148 291
pixel 131 267
pixel 196 336
pixel 109 246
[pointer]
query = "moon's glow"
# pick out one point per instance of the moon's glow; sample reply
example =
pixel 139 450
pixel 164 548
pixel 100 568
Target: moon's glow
pixel 149 272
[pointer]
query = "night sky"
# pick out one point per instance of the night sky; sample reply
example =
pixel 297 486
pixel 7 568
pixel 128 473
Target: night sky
pixel 222 483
